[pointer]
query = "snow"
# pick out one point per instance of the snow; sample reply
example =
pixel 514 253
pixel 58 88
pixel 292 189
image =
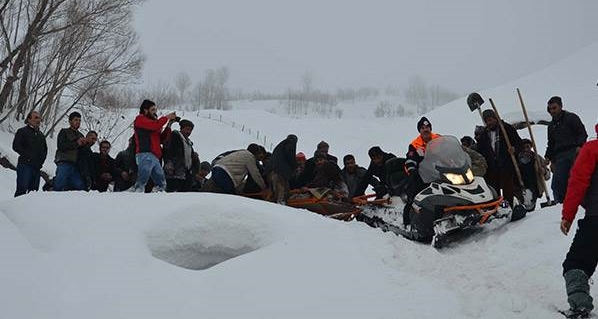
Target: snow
pixel 124 255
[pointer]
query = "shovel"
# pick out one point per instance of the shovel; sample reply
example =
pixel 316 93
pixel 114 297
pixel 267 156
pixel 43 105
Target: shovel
pixel 549 201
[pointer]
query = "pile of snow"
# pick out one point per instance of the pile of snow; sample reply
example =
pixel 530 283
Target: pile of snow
pixel 80 255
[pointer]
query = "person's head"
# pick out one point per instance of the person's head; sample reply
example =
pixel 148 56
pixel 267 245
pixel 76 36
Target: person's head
pixel 320 158
pixel 300 158
pixel 490 119
pixel 92 138
pixel 526 145
pixel 149 109
pixel 186 127
pixel 424 127
pixel 75 120
pixel 258 151
pixel 204 169
pixel 467 141
pixel 323 147
pixel 376 155
pixel 292 138
pixel 34 119
pixel 555 106
pixel 349 162
pixel 105 148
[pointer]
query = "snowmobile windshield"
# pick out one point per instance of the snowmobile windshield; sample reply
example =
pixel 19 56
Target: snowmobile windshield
pixel 443 155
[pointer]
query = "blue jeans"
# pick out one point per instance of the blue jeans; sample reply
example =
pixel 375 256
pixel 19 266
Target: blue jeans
pixel 560 177
pixel 68 177
pixel 223 180
pixel 27 179
pixel 148 166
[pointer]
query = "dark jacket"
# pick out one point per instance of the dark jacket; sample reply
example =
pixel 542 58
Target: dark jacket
pixel 283 160
pixel 85 165
pixel 500 160
pixel 100 166
pixel 31 146
pixel 582 188
pixel 354 180
pixel 67 147
pixel 174 157
pixel 149 135
pixel 125 162
pixel 374 170
pixel 565 132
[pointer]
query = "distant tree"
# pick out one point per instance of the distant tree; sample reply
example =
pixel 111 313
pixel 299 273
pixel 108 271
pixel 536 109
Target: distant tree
pixel 182 82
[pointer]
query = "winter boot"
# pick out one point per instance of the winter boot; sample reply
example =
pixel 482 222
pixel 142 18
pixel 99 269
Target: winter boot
pixel 578 291
pixel 575 314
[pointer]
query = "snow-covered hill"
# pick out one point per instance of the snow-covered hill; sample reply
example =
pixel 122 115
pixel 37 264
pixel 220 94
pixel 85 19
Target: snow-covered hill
pixel 121 255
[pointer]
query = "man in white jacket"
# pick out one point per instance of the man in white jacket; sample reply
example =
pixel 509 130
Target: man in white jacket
pixel 230 171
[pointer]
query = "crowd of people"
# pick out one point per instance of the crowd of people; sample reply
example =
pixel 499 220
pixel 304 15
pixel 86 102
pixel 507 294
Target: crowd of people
pixel 159 158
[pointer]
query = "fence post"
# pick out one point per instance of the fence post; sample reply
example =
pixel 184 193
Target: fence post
pixel 221 118
pixel 258 135
pixel 264 140
pixel 243 128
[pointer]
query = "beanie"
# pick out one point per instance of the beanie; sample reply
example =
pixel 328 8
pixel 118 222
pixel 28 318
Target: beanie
pixel 423 121
pixel 488 113
pixel 300 156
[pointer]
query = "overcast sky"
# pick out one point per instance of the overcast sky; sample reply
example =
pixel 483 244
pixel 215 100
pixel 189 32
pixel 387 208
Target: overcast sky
pixel 464 45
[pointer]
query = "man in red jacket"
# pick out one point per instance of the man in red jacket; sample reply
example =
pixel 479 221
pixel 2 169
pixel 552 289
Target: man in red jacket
pixel 581 260
pixel 148 150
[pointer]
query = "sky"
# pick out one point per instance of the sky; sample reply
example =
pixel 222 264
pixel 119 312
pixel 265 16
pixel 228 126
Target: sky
pixel 269 45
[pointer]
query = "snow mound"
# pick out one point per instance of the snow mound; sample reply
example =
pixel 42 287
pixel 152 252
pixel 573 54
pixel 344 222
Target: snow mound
pixel 197 240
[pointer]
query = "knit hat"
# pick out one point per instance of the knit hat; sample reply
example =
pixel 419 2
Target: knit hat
pixel 423 121
pixel 488 113
pixel 300 156
pixel 205 166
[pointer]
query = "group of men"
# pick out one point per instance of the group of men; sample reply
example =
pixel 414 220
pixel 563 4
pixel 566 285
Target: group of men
pixel 163 159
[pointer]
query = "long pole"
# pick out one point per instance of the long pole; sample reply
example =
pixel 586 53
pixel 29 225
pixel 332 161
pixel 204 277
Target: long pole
pixel 508 142
pixel 531 134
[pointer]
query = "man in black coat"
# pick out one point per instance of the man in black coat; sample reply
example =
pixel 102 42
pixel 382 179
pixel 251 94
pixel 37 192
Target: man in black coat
pixel 178 159
pixel 493 146
pixel 281 168
pixel 104 167
pixel 377 168
pixel 30 144
pixel 566 135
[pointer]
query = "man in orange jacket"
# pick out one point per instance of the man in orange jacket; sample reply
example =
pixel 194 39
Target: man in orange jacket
pixel 581 260
pixel 415 155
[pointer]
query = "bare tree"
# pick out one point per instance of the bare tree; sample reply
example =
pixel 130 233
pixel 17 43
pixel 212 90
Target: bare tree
pixel 63 51
pixel 182 82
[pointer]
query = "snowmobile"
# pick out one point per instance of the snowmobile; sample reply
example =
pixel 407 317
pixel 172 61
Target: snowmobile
pixel 453 202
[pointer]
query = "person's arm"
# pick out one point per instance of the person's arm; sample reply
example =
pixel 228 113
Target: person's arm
pixel 549 146
pixel 18 143
pixel 146 123
pixel 578 129
pixel 579 180
pixel 254 172
pixel 367 179
pixel 64 144
pixel 412 160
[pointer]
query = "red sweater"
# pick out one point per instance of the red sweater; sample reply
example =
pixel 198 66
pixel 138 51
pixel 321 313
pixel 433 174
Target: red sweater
pixel 148 137
pixel 580 181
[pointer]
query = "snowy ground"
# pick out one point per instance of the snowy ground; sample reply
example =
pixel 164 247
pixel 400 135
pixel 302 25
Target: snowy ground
pixel 121 255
